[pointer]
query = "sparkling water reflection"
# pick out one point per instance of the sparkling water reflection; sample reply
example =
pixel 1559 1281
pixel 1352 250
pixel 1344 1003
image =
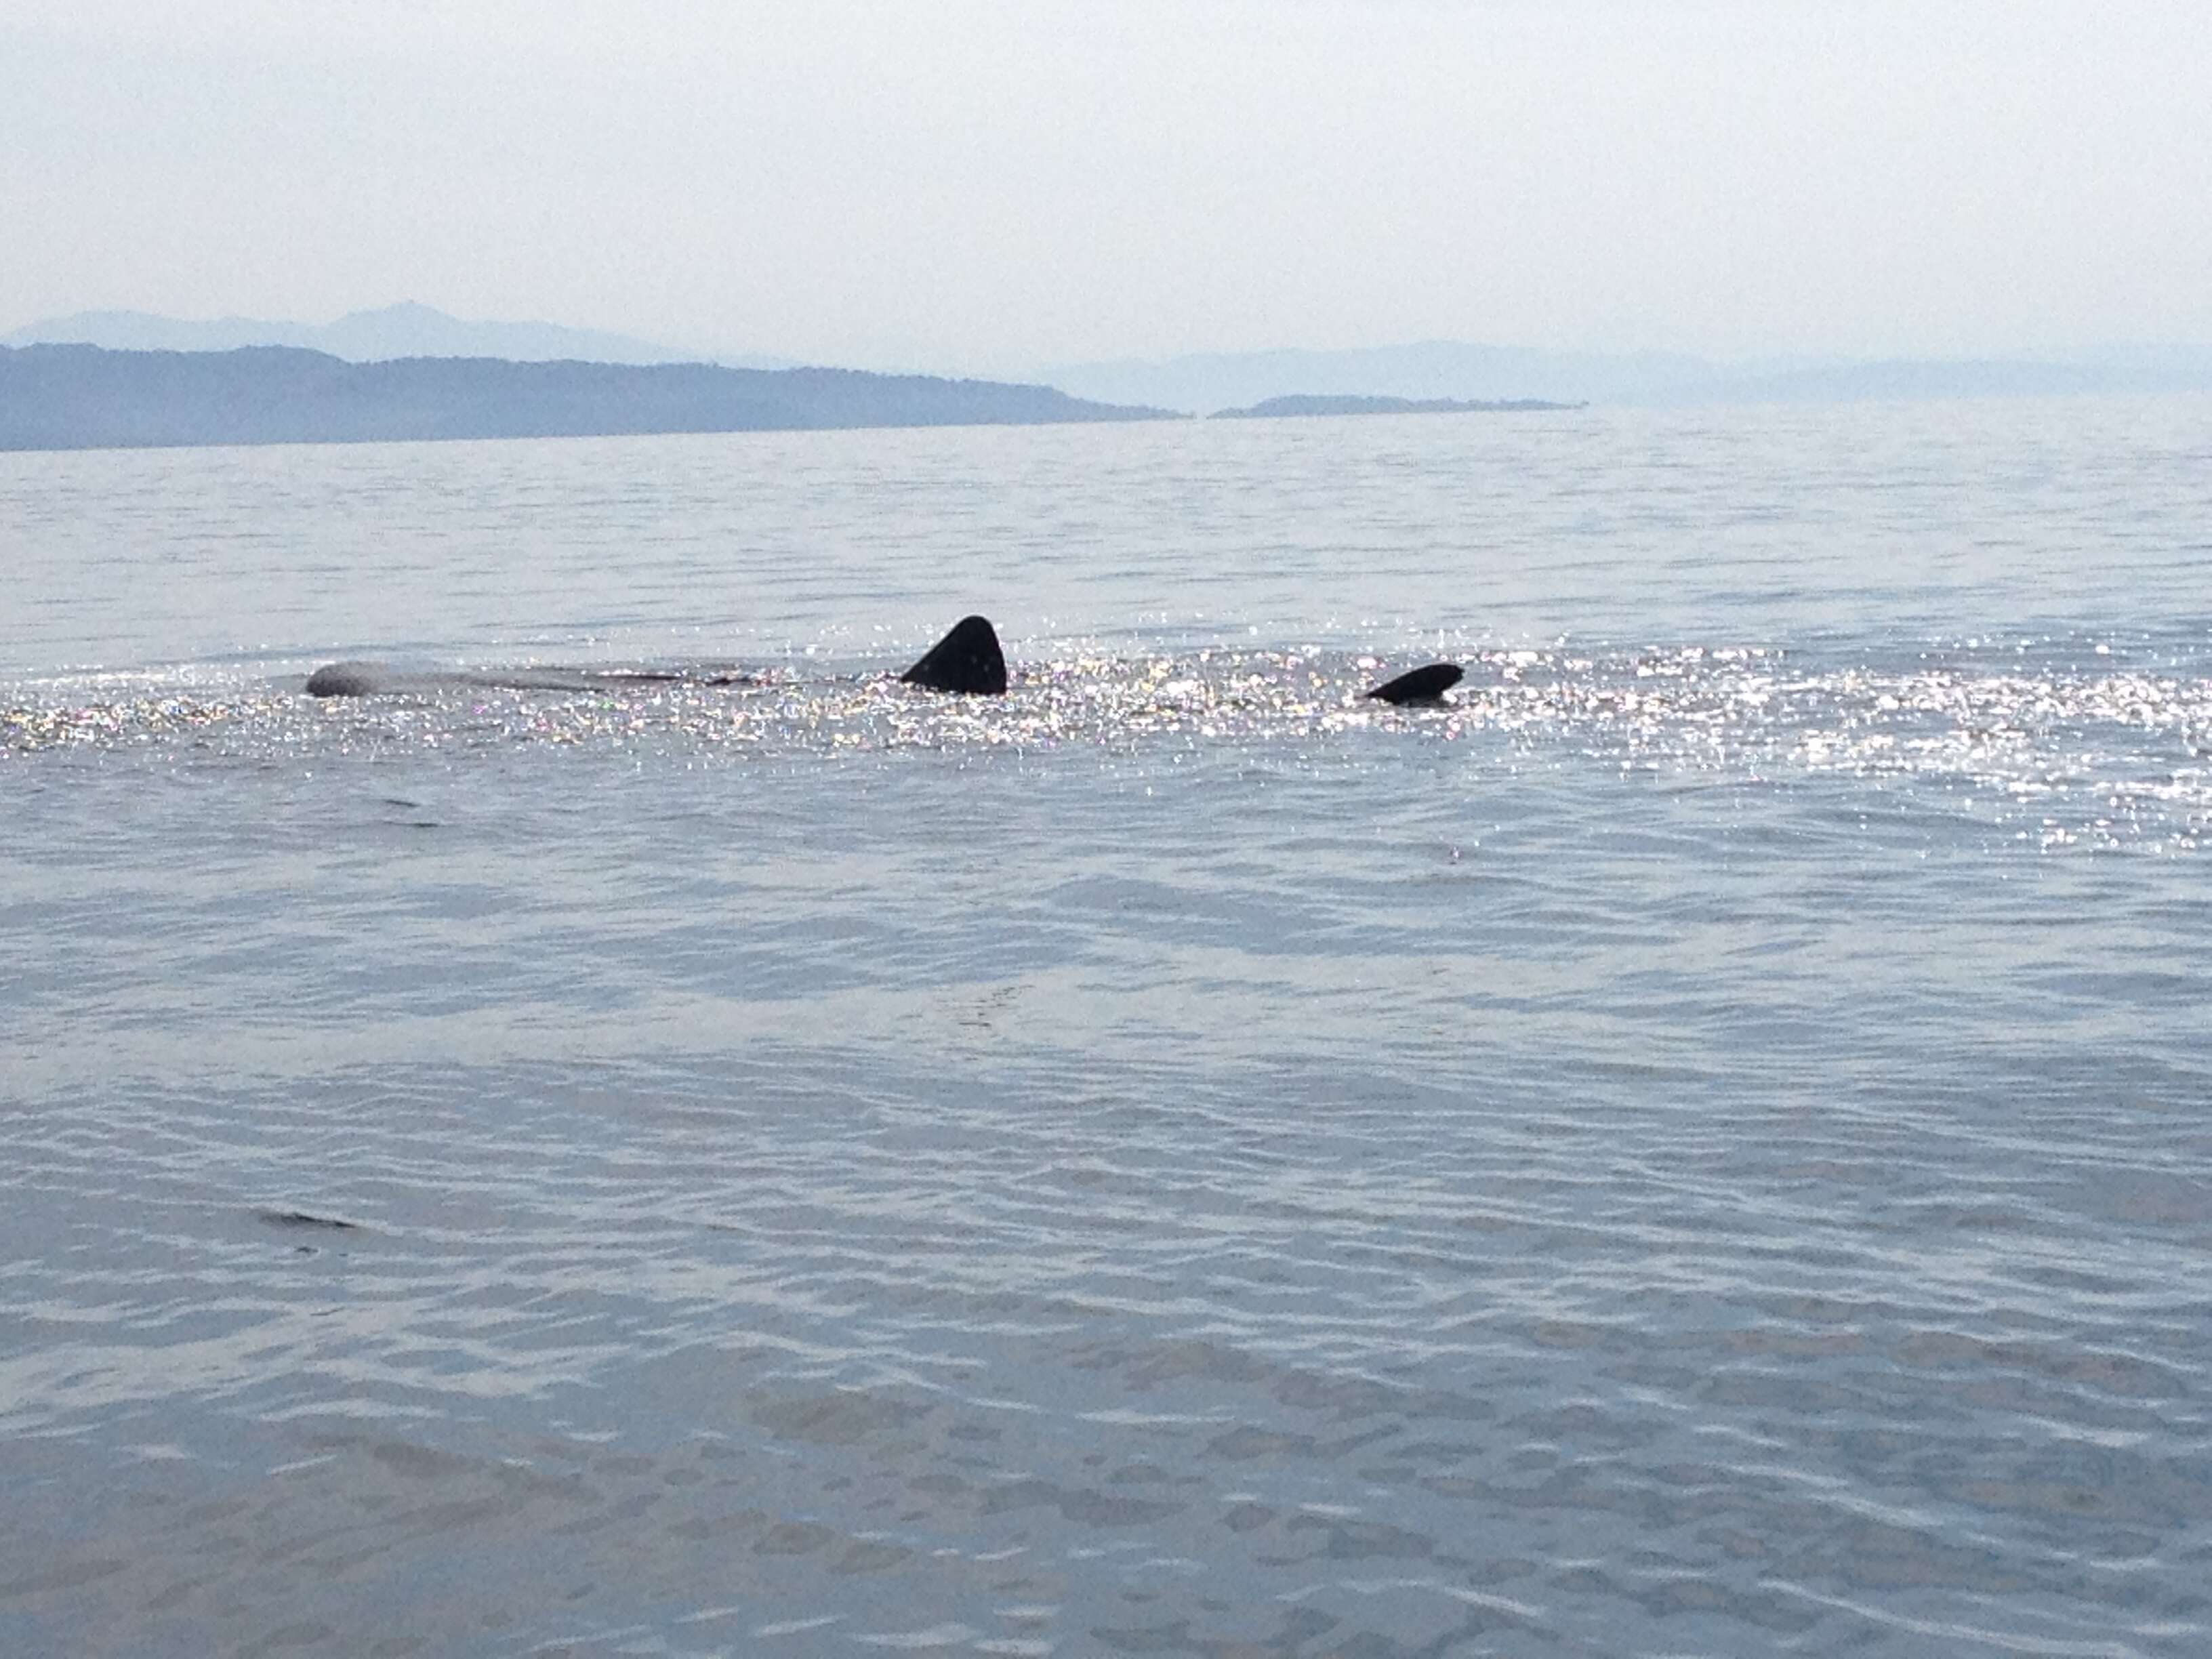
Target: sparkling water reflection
pixel 1697 1147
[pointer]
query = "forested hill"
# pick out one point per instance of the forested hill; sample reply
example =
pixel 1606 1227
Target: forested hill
pixel 82 396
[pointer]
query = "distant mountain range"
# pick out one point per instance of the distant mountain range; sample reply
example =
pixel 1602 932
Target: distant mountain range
pixel 1434 372
pixel 406 330
pixel 82 396
pixel 1447 370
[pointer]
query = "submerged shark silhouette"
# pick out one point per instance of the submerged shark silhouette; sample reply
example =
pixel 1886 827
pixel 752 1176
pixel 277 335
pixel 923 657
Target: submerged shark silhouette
pixel 967 661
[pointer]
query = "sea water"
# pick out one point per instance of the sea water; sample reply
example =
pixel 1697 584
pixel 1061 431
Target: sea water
pixel 1701 1146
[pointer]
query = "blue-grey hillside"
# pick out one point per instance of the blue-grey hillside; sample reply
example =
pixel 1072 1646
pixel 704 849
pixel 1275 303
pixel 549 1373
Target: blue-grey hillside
pixel 78 397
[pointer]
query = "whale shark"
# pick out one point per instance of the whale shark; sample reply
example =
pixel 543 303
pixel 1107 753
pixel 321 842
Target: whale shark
pixel 1421 688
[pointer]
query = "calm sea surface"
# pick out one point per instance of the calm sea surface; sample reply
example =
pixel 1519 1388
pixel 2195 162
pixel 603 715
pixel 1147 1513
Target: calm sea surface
pixel 1702 1146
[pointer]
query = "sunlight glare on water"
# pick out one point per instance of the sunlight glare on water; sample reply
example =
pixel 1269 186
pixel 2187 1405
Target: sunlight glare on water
pixel 1697 1146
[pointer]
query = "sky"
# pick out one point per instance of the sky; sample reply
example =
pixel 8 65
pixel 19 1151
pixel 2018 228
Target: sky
pixel 989 186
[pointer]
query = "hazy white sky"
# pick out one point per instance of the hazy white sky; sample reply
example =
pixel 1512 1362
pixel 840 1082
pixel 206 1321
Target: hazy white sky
pixel 990 185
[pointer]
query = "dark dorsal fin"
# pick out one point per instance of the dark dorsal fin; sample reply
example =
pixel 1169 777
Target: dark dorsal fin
pixel 1426 685
pixel 966 660
pixel 347 680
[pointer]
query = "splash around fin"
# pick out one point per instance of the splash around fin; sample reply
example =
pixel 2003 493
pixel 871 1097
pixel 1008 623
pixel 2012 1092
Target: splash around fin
pixel 967 660
pixel 1422 687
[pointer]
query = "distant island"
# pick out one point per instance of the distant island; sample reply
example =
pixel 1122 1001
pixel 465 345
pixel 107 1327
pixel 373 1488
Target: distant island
pixel 1309 403
pixel 83 397
pixel 1453 369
